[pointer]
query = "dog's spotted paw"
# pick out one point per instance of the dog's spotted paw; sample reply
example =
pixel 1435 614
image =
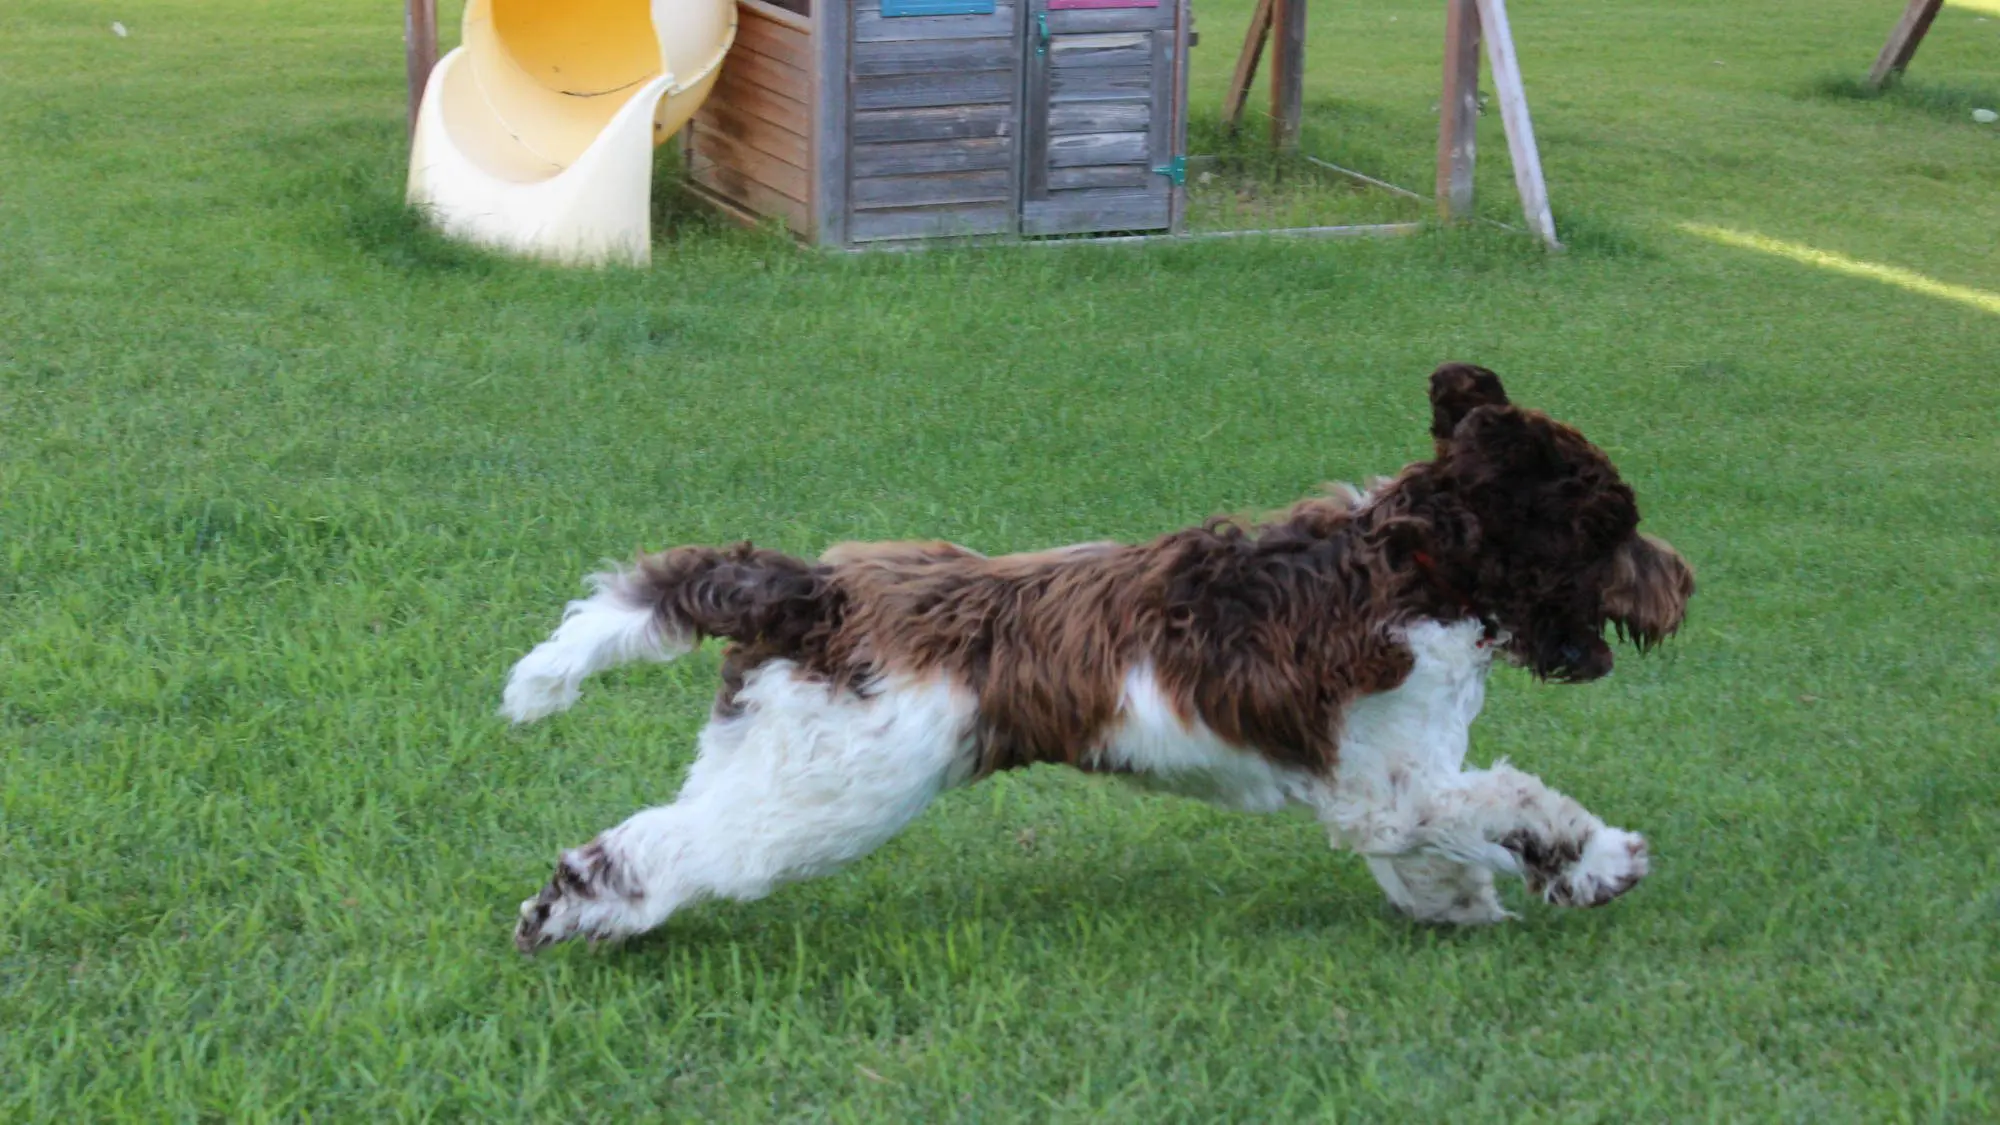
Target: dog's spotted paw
pixel 586 897
pixel 1611 863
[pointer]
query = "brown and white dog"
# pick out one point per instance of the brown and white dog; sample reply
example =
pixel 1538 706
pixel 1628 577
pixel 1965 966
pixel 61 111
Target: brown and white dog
pixel 1332 657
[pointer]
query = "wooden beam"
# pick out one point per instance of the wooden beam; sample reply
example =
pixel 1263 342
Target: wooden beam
pixel 1246 67
pixel 1458 110
pixel 1903 41
pixel 1183 42
pixel 1288 71
pixel 1393 189
pixel 1514 115
pixel 420 50
pixel 829 100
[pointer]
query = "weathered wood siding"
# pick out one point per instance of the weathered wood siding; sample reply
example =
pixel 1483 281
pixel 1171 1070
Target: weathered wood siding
pixel 750 143
pixel 933 123
pixel 1100 119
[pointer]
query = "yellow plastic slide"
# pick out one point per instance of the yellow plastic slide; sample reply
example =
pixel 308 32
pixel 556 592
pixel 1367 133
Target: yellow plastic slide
pixel 536 134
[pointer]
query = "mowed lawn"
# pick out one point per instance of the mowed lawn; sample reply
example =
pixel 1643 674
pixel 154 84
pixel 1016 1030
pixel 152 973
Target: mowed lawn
pixel 286 486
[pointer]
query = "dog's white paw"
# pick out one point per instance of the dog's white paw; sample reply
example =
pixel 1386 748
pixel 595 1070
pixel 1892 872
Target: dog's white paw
pixel 531 695
pixel 1611 863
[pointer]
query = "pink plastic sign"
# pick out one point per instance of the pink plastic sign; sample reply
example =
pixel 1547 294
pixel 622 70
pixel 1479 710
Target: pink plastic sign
pixel 1078 5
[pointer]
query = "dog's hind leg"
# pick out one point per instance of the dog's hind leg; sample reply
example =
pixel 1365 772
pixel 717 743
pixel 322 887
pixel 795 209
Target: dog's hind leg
pixel 802 779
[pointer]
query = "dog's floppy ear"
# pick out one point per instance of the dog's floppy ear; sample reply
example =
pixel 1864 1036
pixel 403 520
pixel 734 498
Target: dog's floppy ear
pixel 1650 585
pixel 1457 389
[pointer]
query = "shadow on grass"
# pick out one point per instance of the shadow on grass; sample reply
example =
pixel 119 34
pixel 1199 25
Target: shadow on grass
pixel 345 181
pixel 1588 234
pixel 1068 913
pixel 1041 906
pixel 1947 101
pixel 401 236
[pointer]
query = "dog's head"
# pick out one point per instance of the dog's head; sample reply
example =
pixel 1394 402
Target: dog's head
pixel 1545 539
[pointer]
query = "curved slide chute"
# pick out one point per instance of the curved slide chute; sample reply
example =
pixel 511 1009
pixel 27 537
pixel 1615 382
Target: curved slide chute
pixel 536 134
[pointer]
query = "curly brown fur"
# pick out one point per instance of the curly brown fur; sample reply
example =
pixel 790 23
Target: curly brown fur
pixel 1044 640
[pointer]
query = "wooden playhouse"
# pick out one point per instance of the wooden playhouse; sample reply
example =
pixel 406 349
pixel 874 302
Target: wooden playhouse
pixel 871 122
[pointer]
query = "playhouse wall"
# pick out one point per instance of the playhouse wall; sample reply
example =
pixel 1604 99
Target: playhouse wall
pixel 749 145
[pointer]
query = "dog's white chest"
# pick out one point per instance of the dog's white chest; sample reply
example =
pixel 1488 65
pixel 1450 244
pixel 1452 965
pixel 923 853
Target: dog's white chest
pixel 1423 726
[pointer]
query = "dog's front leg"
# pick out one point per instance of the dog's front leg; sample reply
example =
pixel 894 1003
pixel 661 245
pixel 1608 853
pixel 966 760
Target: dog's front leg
pixel 1509 821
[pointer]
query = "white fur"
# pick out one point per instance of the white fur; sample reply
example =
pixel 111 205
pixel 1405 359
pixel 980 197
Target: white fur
pixel 603 631
pixel 1411 739
pixel 804 780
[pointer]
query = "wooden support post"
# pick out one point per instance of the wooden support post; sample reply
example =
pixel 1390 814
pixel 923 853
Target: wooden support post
pixel 828 96
pixel 1288 71
pixel 1903 41
pixel 1514 115
pixel 420 50
pixel 1246 67
pixel 1458 110
pixel 1183 42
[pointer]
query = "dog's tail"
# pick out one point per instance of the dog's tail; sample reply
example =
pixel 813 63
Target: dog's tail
pixel 663 608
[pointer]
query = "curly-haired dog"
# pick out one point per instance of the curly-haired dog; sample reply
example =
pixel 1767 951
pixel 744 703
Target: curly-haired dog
pixel 1333 657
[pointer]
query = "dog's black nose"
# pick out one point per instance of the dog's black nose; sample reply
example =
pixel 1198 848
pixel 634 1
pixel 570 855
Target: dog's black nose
pixel 1576 661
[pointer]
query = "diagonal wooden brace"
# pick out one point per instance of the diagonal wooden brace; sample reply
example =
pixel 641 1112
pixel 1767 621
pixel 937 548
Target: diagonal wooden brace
pixel 1903 41
pixel 1467 23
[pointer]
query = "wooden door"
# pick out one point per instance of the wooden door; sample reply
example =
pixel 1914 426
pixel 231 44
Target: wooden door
pixel 1100 132
pixel 935 106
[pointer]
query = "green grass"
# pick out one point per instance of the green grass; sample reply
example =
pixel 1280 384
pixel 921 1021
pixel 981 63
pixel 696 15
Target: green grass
pixel 286 484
